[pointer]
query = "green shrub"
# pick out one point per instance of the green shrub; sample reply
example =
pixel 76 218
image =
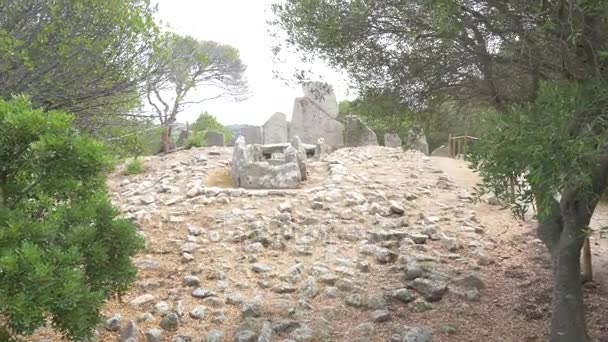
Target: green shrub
pixel 64 249
pixel 208 122
pixel 134 167
pixel 197 139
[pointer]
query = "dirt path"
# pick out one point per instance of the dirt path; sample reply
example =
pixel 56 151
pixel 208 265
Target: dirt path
pixel 461 174
pixel 458 171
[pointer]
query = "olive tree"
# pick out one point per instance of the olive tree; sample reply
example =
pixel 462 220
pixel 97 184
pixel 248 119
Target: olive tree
pixel 521 59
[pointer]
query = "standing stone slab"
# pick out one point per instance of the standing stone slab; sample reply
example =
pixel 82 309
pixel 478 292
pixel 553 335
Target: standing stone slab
pixel 323 96
pixel 416 140
pixel 422 145
pixel 239 159
pixel 441 151
pixel 275 130
pixel 263 175
pixel 214 138
pixel 312 120
pixel 392 140
pixel 296 143
pixel 252 134
pixel 356 133
pixel 320 149
pixel 183 137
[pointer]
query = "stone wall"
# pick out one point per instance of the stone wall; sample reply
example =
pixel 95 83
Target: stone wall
pixel 416 140
pixel 356 133
pixel 392 140
pixel 314 117
pixel 310 122
pixel 323 96
pixel 252 134
pixel 250 170
pixel 213 138
pixel 275 129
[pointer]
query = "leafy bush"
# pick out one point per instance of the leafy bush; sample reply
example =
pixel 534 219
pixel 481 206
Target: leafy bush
pixel 195 140
pixel 64 249
pixel 130 138
pixel 134 167
pixel 208 122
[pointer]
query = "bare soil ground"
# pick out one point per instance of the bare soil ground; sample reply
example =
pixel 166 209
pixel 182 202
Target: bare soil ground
pixel 525 261
pixel 514 306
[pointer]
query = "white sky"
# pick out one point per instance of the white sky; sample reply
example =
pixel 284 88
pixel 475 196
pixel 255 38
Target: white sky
pixel 242 24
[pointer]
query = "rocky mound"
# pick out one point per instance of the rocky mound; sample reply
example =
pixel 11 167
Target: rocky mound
pixel 356 245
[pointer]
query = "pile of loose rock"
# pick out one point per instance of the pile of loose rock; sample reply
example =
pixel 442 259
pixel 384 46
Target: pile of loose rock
pixel 380 239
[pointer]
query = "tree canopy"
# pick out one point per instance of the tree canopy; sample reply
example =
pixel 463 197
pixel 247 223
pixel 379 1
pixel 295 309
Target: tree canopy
pixel 88 57
pixel 186 64
pixel 539 65
pixel 208 122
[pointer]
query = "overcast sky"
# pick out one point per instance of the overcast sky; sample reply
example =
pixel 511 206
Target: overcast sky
pixel 242 24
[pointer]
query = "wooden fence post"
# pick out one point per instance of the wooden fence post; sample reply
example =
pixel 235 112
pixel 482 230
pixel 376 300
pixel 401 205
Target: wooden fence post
pixel 450 146
pixel 464 151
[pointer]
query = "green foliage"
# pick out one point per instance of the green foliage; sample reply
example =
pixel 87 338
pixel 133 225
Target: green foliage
pixel 185 64
pixel 64 249
pixel 208 122
pixel 134 166
pixel 344 108
pixel 552 144
pixel 130 138
pixel 384 114
pixel 197 139
pixel 87 57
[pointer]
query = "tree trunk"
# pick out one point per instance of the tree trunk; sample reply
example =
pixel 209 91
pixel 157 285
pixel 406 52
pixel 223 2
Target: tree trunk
pixel 568 321
pixel 166 139
pixel 562 233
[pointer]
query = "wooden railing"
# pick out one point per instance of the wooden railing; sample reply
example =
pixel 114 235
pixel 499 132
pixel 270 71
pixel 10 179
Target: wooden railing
pixel 458 145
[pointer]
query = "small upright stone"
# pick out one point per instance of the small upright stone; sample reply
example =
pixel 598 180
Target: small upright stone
pixel 198 312
pixel 129 334
pixel 265 332
pixel 404 295
pixel 376 302
pixel 303 334
pixel 113 323
pixel 161 308
pixel 245 336
pixel 170 322
pixel 396 208
pixel 364 332
pixel 392 140
pixel 259 267
pixel 214 336
pixel 432 290
pixel 253 308
pixel 143 299
pixel 192 281
pixel 201 293
pixel 154 335
pixel 380 316
pixel 414 334
pixel 355 300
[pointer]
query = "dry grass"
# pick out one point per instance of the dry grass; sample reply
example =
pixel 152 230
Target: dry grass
pixel 220 178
